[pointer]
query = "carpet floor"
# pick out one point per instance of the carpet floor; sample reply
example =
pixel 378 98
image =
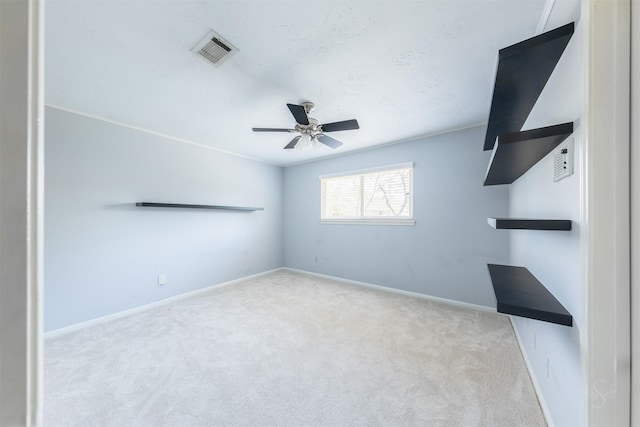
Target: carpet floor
pixel 290 349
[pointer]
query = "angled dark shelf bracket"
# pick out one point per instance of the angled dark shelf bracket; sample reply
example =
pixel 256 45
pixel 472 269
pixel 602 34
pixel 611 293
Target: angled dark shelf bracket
pixel 530 224
pixel 516 152
pixel 519 293
pixel 187 206
pixel 523 71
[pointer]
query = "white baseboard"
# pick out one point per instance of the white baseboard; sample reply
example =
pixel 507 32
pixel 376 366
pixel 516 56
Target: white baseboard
pixel 534 380
pixel 398 291
pixel 120 314
pixel 78 326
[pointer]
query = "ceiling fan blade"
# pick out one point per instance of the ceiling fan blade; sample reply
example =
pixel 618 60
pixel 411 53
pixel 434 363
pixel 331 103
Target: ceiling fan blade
pixel 272 130
pixel 299 114
pixel 344 125
pixel 328 141
pixel 293 143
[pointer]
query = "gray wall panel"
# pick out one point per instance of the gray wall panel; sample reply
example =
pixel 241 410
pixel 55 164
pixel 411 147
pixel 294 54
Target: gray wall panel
pixel 103 255
pixel 444 254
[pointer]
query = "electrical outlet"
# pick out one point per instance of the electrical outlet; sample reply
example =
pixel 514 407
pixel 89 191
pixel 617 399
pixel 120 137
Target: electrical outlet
pixel 162 279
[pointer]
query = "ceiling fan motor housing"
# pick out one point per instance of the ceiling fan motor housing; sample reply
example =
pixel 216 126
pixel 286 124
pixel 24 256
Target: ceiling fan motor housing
pixel 308 106
pixel 312 129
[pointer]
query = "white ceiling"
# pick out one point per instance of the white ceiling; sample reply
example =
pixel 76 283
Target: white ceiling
pixel 403 69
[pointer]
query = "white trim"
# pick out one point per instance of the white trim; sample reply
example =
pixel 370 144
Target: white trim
pixel 21 214
pixel 635 213
pixel 163 135
pixel 361 173
pixel 387 144
pixel 604 225
pixel 544 18
pixel 583 231
pixel 398 291
pixel 278 164
pixel 534 380
pixel 155 304
pixel 125 313
pixel 384 168
pixel 36 213
pixel 370 221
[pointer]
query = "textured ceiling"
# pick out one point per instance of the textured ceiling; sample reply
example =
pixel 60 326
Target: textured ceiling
pixel 404 69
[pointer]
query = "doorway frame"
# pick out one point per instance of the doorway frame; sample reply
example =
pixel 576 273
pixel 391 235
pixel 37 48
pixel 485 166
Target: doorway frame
pixel 635 214
pixel 21 210
pixel 606 346
pixel 605 222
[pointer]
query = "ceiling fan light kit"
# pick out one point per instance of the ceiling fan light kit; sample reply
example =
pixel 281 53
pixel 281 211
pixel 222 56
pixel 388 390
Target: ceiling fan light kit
pixel 311 131
pixel 307 142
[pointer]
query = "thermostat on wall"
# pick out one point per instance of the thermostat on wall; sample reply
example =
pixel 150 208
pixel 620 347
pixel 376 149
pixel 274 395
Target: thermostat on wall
pixel 563 160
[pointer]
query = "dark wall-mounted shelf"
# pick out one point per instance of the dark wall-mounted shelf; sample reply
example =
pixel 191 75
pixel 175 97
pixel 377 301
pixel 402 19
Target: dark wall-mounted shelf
pixel 187 206
pixel 523 71
pixel 519 293
pixel 516 152
pixel 530 224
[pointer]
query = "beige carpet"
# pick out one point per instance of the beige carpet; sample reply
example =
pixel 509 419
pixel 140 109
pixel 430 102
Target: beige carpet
pixel 287 349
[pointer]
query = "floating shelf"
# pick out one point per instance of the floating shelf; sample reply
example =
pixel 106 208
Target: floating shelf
pixel 185 206
pixel 529 224
pixel 523 71
pixel 519 293
pixel 516 152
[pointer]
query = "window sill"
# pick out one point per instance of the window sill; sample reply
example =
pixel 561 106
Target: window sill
pixel 371 221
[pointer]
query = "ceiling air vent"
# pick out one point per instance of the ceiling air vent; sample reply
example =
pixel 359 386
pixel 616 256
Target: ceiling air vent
pixel 214 48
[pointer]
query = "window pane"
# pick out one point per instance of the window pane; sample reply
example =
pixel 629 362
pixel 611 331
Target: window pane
pixel 379 194
pixel 388 194
pixel 342 197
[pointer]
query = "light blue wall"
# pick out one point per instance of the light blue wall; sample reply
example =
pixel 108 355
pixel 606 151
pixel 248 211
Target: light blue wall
pixel 554 257
pixel 444 255
pixel 103 255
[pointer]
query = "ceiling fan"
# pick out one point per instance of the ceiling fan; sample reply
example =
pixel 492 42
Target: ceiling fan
pixel 311 132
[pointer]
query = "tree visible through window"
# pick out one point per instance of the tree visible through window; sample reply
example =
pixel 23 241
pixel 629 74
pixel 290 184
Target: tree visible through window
pixel 379 194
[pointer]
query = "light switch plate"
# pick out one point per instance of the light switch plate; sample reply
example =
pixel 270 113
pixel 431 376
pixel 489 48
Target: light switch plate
pixel 563 160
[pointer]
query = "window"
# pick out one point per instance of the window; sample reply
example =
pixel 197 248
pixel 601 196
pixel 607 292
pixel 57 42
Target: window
pixel 377 195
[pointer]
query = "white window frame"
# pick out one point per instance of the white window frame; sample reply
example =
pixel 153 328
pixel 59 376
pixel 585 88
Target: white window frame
pixel 369 220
